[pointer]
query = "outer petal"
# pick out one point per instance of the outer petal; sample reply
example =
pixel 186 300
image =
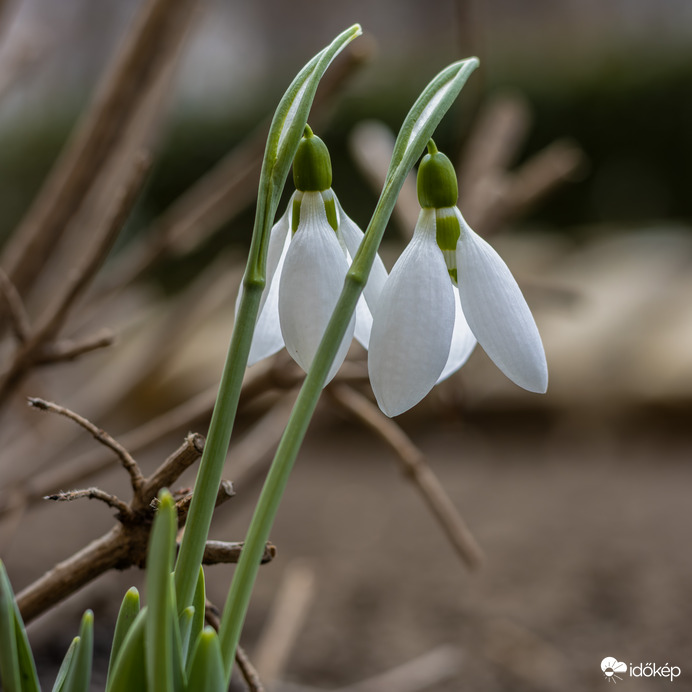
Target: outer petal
pixel 311 282
pixel 267 338
pixel 498 314
pixel 412 323
pixel 463 341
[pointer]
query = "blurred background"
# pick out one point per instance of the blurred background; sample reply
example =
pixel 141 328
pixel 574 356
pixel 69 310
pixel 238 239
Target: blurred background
pixel 573 145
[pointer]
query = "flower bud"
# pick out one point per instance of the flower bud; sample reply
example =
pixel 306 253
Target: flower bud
pixel 437 181
pixel 312 167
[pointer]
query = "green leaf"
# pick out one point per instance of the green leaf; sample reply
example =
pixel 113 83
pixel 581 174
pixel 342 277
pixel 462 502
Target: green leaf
pixel 65 665
pixel 284 135
pixel 79 673
pixel 129 609
pixel 199 602
pixel 206 669
pixel 10 673
pixel 160 617
pixel 129 671
pixel 177 655
pixel 185 622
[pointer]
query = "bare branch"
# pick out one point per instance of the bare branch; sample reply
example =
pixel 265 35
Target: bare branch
pixel 92 494
pixel 65 578
pixel 15 307
pixel 129 464
pixel 218 552
pixel 171 469
pixel 68 349
pixel 150 46
pixel 225 493
pixel 416 468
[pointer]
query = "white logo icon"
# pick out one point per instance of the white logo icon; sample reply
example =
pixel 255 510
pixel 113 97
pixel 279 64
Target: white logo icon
pixel 611 666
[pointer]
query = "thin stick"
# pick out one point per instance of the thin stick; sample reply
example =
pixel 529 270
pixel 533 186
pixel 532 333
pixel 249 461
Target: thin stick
pixel 222 552
pixel 92 494
pixel 158 31
pixel 17 313
pixel 416 469
pixel 69 349
pixel 128 463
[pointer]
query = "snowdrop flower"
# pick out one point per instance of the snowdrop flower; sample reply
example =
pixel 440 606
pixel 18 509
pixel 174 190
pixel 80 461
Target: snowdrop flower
pixel 447 290
pixel 310 251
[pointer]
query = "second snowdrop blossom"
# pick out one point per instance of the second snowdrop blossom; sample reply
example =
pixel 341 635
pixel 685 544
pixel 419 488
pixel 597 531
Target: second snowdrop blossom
pixel 310 250
pixel 448 290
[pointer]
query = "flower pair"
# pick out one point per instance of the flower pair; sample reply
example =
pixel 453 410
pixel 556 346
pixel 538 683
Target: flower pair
pixel 448 290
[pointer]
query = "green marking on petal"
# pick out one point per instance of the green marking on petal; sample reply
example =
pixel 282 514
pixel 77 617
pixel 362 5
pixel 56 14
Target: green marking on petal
pixel 330 209
pixel 312 167
pixel 447 229
pixel 437 180
pixel 295 212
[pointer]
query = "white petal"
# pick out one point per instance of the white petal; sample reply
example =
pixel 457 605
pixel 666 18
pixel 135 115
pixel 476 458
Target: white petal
pixel 353 236
pixel 267 338
pixel 412 323
pixel 311 282
pixel 363 323
pixel 463 341
pixel 498 314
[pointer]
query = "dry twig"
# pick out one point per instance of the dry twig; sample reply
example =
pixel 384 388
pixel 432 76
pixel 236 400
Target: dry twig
pixel 416 468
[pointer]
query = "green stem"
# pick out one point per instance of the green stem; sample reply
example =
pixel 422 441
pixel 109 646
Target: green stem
pixel 268 504
pixel 216 446
pixel 417 129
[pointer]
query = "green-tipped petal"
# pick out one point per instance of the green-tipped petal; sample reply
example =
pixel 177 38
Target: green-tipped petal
pixel 413 323
pixel 311 282
pixel 498 314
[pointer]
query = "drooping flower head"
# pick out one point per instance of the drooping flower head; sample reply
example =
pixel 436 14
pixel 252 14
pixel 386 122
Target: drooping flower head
pixel 448 290
pixel 310 251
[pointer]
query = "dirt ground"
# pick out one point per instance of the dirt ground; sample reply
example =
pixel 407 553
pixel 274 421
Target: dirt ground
pixel 585 528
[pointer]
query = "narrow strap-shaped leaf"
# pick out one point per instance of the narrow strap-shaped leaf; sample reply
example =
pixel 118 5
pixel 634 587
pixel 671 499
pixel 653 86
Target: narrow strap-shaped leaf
pixel 65 665
pixel 185 622
pixel 177 654
pixel 129 671
pixel 129 609
pixel 159 642
pixel 199 602
pixel 27 666
pixel 284 135
pixel 79 673
pixel 206 669
pixel 9 661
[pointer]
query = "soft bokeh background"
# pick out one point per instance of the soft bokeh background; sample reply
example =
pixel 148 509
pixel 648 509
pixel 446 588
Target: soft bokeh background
pixel 580 498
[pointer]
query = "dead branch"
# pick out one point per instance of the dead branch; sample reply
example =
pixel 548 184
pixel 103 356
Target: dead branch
pixel 416 468
pixel 221 552
pixel 128 463
pixel 149 47
pixel 19 319
pixel 92 494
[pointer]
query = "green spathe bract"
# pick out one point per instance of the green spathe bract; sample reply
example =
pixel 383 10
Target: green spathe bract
pixel 417 129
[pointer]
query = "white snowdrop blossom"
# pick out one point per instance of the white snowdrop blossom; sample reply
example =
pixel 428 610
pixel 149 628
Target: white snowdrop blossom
pixel 448 290
pixel 310 251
